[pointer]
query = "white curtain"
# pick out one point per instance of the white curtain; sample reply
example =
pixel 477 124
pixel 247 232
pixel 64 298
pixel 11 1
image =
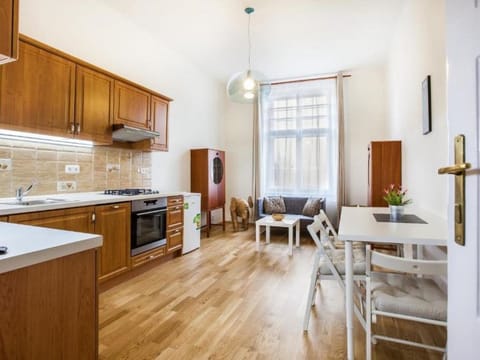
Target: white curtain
pixel 298 139
pixel 341 191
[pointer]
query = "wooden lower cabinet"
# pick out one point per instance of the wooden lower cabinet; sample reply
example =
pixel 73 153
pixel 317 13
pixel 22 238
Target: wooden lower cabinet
pixel 76 219
pixel 174 217
pixel 174 239
pixel 147 256
pixel 49 310
pixel 4 218
pixel 174 223
pixel 113 222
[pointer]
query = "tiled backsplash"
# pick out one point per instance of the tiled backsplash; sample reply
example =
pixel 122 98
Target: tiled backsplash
pixel 100 167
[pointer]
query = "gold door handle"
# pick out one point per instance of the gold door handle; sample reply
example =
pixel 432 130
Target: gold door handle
pixel 459 171
pixel 456 169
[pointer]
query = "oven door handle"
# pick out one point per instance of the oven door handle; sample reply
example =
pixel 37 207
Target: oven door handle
pixel 158 211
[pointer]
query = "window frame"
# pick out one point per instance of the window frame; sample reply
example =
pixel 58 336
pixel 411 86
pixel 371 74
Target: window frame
pixel 327 132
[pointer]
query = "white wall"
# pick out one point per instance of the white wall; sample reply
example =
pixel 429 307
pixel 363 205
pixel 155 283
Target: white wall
pixel 418 50
pixel 365 119
pixel 96 33
pixel 238 143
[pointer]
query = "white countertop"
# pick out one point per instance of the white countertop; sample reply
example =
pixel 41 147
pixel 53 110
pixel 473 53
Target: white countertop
pixel 359 224
pixel 70 200
pixel 30 245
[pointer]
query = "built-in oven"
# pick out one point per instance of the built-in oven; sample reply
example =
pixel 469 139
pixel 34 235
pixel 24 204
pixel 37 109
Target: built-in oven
pixel 149 224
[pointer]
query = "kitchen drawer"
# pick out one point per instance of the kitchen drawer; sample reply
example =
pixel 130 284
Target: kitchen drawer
pixel 174 217
pixel 174 200
pixel 174 239
pixel 148 256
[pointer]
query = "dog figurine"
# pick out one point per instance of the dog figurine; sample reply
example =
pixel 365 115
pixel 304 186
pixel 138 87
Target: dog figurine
pixel 239 208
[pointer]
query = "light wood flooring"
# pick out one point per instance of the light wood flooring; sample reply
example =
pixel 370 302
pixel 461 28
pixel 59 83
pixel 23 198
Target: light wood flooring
pixel 226 301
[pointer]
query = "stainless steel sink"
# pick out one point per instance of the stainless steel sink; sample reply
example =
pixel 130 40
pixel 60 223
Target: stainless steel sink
pixel 34 202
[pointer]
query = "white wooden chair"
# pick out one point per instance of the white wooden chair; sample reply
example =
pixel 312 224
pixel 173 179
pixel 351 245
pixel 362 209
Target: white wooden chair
pixel 403 295
pixel 329 262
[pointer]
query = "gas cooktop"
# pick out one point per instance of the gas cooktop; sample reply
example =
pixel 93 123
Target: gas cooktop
pixel 130 192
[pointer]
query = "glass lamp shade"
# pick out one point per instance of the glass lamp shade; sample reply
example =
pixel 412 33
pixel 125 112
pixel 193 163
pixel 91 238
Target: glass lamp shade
pixel 243 86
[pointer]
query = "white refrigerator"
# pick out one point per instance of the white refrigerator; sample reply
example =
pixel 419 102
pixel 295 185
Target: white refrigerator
pixel 191 222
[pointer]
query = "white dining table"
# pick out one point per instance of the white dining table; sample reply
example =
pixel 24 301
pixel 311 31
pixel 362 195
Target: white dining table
pixel 359 224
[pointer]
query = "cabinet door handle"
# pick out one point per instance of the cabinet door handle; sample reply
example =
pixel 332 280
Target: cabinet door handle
pixel 78 128
pixel 115 206
pixel 72 128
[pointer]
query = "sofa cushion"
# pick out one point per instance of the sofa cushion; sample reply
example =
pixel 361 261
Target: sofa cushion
pixel 312 207
pixel 274 204
pixel 294 205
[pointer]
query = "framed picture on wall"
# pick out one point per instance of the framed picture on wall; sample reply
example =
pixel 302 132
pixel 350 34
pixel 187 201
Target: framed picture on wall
pixel 427 106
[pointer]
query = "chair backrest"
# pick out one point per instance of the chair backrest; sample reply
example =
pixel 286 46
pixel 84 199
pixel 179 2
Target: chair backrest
pixel 321 224
pixel 411 266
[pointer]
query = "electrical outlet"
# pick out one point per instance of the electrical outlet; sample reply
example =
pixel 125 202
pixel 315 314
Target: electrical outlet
pixel 113 167
pixel 144 171
pixel 66 186
pixel 72 169
pixel 5 164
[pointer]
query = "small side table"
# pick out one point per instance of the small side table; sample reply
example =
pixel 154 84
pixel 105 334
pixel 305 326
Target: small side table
pixel 289 222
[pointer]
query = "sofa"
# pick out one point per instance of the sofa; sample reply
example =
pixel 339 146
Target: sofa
pixel 293 206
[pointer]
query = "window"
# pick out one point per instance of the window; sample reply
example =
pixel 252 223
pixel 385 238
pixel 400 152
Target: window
pixel 298 139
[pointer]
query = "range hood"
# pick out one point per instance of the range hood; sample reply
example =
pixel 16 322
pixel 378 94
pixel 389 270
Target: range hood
pixel 125 133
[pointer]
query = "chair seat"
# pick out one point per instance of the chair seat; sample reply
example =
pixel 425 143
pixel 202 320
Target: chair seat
pixel 341 244
pixel 409 295
pixel 337 256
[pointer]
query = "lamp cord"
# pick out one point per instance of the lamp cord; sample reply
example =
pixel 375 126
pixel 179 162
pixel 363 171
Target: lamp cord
pixel 249 44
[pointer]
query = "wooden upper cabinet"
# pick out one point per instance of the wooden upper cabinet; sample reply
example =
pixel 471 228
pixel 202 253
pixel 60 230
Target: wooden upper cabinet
pixel 8 30
pixel 132 106
pixel 37 92
pixel 93 106
pixel 160 123
pixel 49 92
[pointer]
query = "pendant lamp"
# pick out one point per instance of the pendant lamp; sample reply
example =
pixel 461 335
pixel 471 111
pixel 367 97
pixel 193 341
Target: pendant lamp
pixel 243 86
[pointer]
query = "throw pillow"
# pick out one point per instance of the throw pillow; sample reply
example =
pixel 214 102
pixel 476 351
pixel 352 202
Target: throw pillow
pixel 312 207
pixel 274 204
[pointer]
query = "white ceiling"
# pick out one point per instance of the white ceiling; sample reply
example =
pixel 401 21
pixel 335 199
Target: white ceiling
pixel 290 38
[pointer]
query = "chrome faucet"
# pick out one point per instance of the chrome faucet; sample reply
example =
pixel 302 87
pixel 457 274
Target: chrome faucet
pixel 20 193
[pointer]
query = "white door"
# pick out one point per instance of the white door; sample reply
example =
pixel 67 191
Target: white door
pixel 463 104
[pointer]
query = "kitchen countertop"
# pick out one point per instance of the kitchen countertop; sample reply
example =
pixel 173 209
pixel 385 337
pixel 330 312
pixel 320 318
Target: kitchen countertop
pixel 71 200
pixel 30 245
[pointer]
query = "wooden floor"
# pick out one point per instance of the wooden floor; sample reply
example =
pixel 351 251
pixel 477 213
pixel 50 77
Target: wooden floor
pixel 226 301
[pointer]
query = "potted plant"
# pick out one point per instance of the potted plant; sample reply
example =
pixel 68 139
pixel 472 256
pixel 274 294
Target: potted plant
pixel 396 200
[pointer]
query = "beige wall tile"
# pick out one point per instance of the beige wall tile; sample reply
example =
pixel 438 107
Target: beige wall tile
pixel 85 157
pixel 69 156
pixel 5 153
pixel 46 155
pixel 46 163
pixel 24 154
